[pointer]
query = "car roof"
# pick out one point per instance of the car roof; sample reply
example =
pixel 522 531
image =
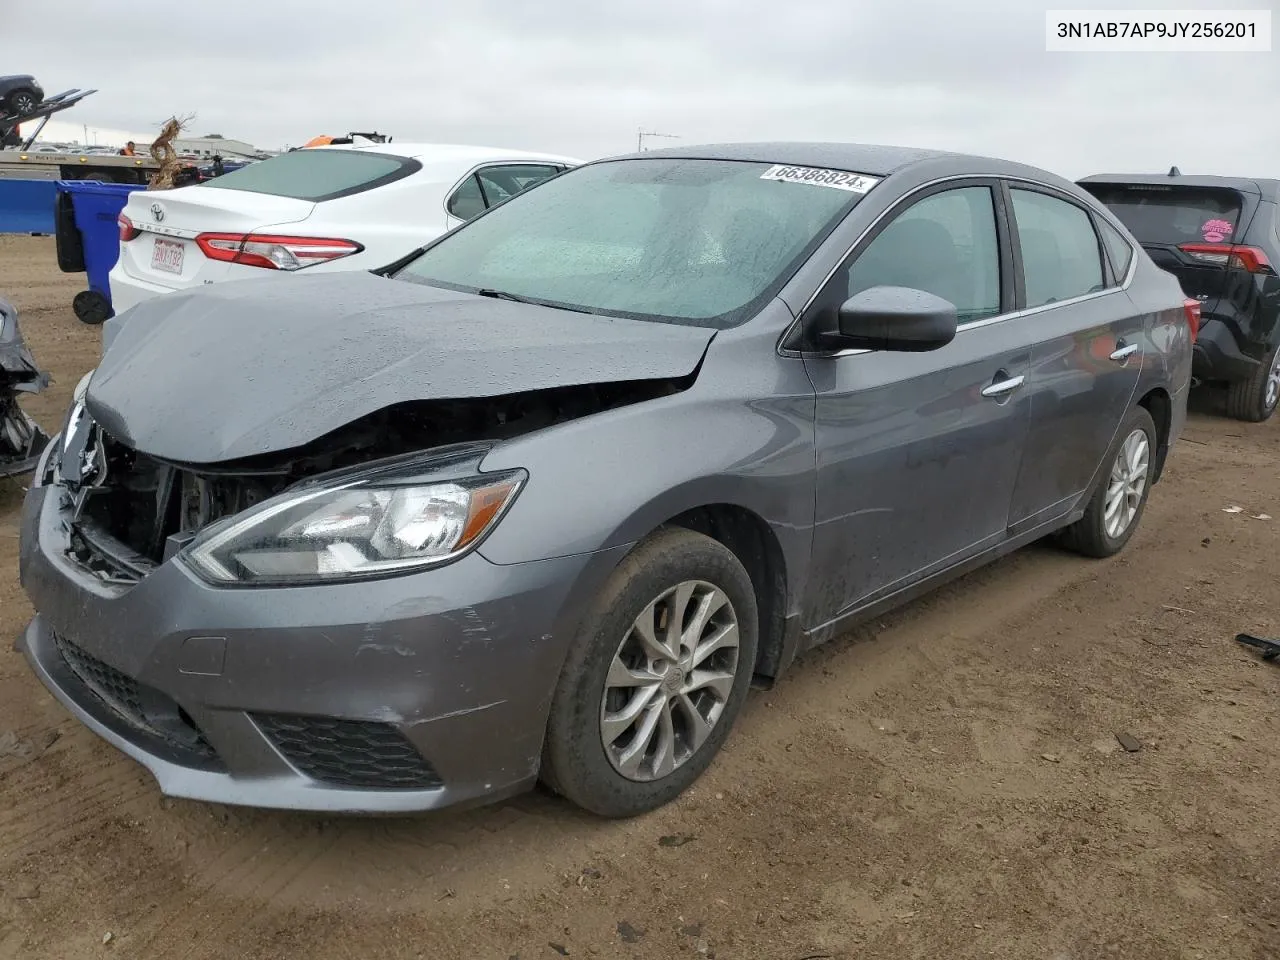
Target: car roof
pixel 877 160
pixel 449 152
pixel 1268 189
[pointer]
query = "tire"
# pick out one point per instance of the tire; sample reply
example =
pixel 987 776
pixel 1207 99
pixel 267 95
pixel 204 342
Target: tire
pixel 1090 535
pixel 22 101
pixel 657 575
pixel 1255 400
pixel 91 307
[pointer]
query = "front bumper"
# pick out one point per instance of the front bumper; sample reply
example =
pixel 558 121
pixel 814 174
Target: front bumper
pixel 401 694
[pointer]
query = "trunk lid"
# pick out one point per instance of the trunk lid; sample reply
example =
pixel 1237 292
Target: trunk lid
pixel 165 252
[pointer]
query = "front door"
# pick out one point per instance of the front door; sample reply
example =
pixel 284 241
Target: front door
pixel 917 454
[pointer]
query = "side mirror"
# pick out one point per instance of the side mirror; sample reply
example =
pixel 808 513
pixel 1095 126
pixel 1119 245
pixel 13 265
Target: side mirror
pixel 899 319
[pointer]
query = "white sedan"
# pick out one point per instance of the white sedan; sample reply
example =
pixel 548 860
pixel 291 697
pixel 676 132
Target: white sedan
pixel 349 207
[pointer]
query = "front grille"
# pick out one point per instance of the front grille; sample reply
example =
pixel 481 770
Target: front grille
pixel 349 753
pixel 152 712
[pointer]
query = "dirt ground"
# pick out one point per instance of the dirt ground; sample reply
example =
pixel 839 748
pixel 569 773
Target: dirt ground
pixel 945 783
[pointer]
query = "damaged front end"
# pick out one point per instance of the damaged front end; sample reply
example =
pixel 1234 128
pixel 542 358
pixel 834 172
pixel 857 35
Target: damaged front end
pixel 21 439
pixel 130 512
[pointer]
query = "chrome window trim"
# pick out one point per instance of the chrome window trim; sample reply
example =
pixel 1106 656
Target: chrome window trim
pixel 973 324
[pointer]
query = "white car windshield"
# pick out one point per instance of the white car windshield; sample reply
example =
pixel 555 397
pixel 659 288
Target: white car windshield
pixel 687 241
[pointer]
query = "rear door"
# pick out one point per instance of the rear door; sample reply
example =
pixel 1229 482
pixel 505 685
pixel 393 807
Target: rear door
pixel 1088 353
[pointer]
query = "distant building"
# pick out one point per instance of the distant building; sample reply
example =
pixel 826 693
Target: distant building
pixel 214 144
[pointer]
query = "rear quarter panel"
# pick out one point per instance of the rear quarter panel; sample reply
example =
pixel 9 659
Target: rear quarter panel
pixel 1166 361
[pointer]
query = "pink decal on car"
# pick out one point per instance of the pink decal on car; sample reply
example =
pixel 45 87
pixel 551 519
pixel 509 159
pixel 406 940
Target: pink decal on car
pixel 1215 231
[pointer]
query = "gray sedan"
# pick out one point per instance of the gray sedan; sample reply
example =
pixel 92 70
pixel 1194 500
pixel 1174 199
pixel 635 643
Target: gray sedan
pixel 540 501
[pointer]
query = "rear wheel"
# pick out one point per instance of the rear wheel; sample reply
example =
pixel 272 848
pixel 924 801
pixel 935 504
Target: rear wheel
pixel 1255 399
pixel 655 679
pixel 1121 497
pixel 22 101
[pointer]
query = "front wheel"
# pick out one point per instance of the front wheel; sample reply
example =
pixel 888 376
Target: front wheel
pixel 655 679
pixel 1254 400
pixel 1121 497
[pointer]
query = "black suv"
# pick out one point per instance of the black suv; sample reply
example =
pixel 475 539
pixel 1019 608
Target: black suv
pixel 19 95
pixel 1220 236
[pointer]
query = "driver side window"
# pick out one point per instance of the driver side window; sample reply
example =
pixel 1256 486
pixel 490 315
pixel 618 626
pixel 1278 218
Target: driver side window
pixel 944 244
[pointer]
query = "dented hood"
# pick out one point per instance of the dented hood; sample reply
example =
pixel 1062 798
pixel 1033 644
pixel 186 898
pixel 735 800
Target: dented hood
pixel 238 369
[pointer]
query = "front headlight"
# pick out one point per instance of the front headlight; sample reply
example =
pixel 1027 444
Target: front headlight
pixel 361 529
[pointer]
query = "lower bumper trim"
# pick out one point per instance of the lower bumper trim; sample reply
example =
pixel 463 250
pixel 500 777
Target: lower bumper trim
pixel 283 790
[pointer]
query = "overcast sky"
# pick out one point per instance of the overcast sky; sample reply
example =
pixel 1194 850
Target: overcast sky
pixel 581 76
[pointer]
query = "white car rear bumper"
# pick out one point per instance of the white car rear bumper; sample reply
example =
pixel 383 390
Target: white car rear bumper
pixel 126 291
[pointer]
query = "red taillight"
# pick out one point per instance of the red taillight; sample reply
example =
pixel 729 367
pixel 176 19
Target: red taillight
pixel 127 230
pixel 1192 308
pixel 1230 255
pixel 273 252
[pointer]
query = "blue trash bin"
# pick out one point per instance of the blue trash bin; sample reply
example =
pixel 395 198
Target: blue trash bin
pixel 95 208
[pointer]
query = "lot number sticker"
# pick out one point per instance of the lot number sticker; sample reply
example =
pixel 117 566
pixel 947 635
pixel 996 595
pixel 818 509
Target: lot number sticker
pixel 840 179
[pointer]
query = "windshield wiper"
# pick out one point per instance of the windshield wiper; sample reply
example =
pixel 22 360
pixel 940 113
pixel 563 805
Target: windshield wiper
pixel 516 298
pixel 503 295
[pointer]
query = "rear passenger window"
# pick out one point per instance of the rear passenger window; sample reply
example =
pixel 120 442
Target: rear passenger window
pixel 467 201
pixel 1060 254
pixel 492 185
pixel 945 245
pixel 500 183
pixel 1118 249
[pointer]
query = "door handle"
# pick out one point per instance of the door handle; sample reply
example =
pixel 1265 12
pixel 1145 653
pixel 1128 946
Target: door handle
pixel 1001 387
pixel 1124 353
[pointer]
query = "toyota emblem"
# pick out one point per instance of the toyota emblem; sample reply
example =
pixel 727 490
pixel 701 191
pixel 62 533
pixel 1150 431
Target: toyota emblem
pixel 157 212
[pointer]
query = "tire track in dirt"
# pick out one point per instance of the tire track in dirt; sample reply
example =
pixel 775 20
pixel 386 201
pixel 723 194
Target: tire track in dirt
pixel 38 819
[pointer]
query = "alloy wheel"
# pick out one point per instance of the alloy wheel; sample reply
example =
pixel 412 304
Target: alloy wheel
pixel 669 681
pixel 1128 483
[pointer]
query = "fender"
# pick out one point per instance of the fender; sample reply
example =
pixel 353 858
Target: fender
pixel 741 435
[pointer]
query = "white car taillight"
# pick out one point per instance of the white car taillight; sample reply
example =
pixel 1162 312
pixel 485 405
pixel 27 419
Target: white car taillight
pixel 274 252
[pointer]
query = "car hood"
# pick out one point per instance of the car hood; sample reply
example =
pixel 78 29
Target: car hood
pixel 244 368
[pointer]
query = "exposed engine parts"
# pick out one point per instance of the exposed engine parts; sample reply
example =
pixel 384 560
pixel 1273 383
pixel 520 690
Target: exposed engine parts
pixel 132 511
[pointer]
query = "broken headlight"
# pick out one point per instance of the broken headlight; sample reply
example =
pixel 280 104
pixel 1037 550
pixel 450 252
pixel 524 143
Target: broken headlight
pixel 361 529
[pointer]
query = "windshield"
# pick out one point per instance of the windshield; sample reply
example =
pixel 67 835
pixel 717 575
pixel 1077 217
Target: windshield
pixel 316 174
pixel 687 241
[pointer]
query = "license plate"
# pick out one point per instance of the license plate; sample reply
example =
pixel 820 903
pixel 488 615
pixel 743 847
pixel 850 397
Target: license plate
pixel 166 255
